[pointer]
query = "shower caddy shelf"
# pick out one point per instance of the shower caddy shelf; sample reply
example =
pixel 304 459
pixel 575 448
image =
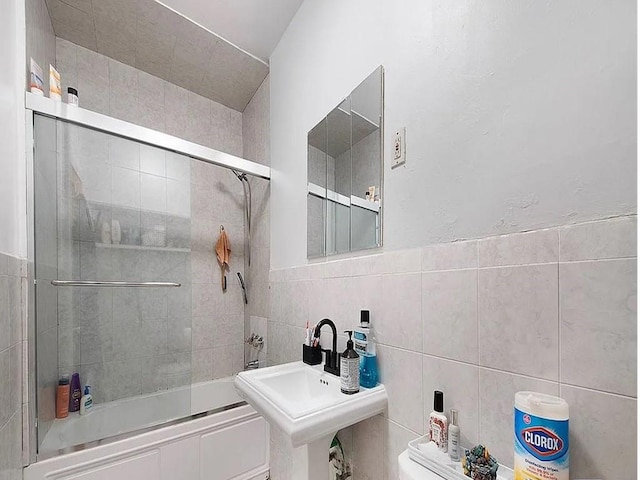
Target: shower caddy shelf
pixel 122 246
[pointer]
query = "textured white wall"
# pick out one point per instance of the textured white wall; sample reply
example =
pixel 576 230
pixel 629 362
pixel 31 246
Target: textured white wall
pixel 519 115
pixel 12 171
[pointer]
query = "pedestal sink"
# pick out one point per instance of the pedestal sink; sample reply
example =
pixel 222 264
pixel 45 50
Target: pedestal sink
pixel 306 404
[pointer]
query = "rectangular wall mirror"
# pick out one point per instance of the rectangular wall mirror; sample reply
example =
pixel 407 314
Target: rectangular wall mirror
pixel 344 174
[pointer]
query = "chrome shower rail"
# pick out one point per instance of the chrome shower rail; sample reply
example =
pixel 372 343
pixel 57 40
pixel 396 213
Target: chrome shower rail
pixel 94 283
pixel 121 128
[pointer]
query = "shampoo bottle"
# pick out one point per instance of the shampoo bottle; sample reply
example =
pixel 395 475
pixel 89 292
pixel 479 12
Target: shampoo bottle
pixel 86 403
pixel 349 369
pixel 76 393
pixel 438 424
pixel 62 397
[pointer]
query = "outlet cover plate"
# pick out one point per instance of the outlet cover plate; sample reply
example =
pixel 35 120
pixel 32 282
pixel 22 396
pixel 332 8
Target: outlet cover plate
pixel 399 153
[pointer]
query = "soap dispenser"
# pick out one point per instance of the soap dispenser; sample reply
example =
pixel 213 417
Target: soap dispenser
pixel 86 403
pixel 349 368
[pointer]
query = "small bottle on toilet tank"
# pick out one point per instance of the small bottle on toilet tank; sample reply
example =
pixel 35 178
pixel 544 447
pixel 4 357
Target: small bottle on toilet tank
pixel 438 424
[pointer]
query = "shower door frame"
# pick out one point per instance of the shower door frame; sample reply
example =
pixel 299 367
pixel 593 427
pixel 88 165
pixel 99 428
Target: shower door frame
pixel 36 104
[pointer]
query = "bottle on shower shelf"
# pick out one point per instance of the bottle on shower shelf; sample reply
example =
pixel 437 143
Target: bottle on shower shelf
pixel 76 393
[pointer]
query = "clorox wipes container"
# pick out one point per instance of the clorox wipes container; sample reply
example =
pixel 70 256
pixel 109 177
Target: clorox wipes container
pixel 541 437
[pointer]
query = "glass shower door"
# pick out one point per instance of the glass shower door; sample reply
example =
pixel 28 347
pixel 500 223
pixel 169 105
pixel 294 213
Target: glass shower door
pixel 110 210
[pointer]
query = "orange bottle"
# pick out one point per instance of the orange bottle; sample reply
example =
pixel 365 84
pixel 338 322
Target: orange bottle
pixel 62 397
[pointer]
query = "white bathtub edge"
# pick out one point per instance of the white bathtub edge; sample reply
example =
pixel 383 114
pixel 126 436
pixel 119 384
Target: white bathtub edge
pixel 66 465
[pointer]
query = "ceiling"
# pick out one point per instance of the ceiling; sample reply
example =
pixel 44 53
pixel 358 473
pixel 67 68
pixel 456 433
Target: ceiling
pixel 151 37
pixel 253 25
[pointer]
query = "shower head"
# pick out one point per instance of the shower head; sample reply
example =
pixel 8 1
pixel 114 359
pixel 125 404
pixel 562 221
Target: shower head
pixel 241 176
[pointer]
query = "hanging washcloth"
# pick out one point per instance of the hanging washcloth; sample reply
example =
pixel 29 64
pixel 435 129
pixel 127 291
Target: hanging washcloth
pixel 223 252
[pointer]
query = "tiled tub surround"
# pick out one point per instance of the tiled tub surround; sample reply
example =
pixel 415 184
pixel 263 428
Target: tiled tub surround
pixel 127 342
pixel 255 147
pixel 12 346
pixel 551 310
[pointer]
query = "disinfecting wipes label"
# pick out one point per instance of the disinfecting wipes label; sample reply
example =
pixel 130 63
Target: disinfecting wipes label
pixel 541 448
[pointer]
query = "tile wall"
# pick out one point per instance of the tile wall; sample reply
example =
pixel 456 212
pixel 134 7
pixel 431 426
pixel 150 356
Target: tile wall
pixel 13 286
pixel 107 86
pixel 133 342
pixel 255 140
pixel 169 209
pixel 40 40
pixel 218 318
pixel 551 310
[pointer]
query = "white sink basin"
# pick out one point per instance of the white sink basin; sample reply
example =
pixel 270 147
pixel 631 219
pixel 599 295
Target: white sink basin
pixel 305 402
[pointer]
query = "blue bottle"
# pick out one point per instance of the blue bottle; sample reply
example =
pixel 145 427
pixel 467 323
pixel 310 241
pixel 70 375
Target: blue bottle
pixel 365 346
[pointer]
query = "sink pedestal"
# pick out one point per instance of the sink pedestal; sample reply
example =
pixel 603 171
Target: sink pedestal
pixel 311 461
pixel 306 405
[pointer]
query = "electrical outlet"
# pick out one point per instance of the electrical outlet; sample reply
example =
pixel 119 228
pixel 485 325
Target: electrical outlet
pixel 399 148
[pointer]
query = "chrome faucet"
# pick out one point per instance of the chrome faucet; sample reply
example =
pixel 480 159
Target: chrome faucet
pixel 331 364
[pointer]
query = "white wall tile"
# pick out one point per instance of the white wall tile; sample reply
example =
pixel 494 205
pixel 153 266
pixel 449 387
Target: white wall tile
pixel 124 153
pixel 599 321
pixel 178 166
pixel 518 319
pixel 602 429
pixel 202 331
pixel 202 365
pixel 93 80
pixel 612 238
pixel 450 314
pixel 6 321
pixel 204 299
pixel 123 91
pixel 178 198
pixel 401 373
pixel 6 409
pixel 125 187
pixel 228 330
pixel 361 293
pixel 152 160
pixel 450 256
pixel 368 448
pixel 540 246
pixel 396 438
pixel 459 382
pixel 153 193
pixel 399 321
pixel 497 391
pixel 227 360
pixel 403 261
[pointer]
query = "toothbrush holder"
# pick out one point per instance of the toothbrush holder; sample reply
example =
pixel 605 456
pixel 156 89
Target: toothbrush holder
pixel 311 355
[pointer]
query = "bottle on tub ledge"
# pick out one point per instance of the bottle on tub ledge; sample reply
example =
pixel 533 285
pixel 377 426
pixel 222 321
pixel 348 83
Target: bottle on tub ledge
pixel 62 397
pixel 86 403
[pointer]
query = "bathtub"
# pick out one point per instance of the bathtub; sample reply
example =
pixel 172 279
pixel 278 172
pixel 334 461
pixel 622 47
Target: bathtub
pixel 230 441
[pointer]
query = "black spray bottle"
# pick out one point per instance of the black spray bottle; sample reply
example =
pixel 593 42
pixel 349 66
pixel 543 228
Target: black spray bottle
pixel 349 368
